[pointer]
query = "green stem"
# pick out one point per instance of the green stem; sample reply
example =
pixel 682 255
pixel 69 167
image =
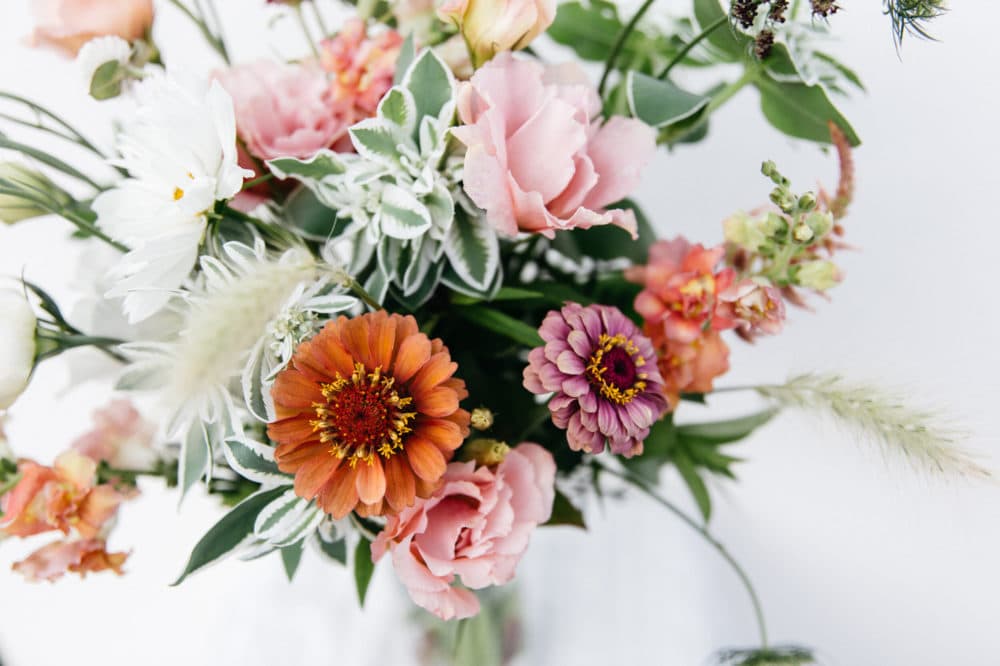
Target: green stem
pixel 701 530
pixel 619 44
pixel 64 342
pixel 212 40
pixel 722 20
pixel 730 90
pixel 9 485
pixel 88 227
pixel 257 181
pixel 324 32
pixel 305 30
pixel 361 293
pixel 218 27
pixel 37 108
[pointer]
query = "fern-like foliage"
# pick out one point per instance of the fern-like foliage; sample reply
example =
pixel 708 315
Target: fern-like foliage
pixel 911 16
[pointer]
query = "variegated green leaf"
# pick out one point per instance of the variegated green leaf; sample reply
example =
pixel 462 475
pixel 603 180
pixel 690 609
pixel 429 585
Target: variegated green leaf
pixel 196 457
pixel 431 83
pixel 252 383
pixel 402 215
pixel 316 168
pixel 473 250
pixel 279 513
pixel 378 140
pixel 399 108
pixel 255 461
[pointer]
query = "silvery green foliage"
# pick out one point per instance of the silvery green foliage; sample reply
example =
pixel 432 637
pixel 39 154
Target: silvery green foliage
pixel 401 212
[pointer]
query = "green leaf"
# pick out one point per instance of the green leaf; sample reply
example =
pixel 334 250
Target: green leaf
pixel 364 567
pixel 473 250
pixel 402 215
pixel 404 59
pixel 431 83
pixel 724 432
pixel 657 449
pixel 378 140
pixel 229 533
pixel 695 484
pixel 660 103
pixel 255 461
pixel 564 513
pixel 589 30
pixel 801 111
pixel 501 323
pixel 309 216
pixel 399 108
pixel 731 44
pixel 335 550
pixel 291 557
pixel 316 168
pixel 107 81
pixel 195 457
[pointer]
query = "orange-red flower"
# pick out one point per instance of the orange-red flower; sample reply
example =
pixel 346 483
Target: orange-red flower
pixel 368 415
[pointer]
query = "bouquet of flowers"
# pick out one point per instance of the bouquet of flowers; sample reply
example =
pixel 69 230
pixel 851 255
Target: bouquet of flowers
pixel 390 300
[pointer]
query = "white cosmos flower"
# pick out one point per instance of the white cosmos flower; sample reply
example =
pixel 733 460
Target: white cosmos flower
pixel 225 320
pixel 17 345
pixel 180 153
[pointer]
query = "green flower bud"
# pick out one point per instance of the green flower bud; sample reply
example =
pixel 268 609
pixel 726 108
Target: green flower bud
pixel 20 188
pixel 820 223
pixel 481 418
pixel 484 451
pixel 807 201
pixel 802 233
pixel 744 232
pixel 819 275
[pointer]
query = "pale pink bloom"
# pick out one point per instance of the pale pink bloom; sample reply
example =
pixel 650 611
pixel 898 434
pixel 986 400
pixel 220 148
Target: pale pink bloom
pixel 754 307
pixel 283 109
pixel 61 497
pixel 362 67
pixel 69 24
pixel 492 26
pixel 83 556
pixel 539 158
pixel 476 526
pixel 681 285
pixel 120 437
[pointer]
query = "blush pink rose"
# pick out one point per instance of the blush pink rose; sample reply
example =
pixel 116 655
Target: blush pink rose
pixel 69 24
pixel 476 526
pixel 283 110
pixel 539 158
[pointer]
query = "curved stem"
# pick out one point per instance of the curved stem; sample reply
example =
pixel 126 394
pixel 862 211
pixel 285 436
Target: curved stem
pixel 694 525
pixel 305 30
pixel 722 20
pixel 38 108
pixel 212 40
pixel 619 44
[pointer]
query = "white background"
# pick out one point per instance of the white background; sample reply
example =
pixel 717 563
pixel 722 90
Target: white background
pixel 856 556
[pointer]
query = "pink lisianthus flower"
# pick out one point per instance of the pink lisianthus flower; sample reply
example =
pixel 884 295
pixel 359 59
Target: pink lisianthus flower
pixel 681 287
pixel 69 24
pixel 61 497
pixel 82 556
pixel 283 109
pixel 603 373
pixel 538 159
pixel 475 526
pixel 689 367
pixel 754 307
pixel 362 67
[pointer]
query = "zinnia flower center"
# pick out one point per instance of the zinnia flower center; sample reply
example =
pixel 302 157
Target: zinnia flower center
pixel 363 416
pixel 614 369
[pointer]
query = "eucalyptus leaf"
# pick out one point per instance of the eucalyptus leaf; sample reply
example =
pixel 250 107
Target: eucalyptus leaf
pixel 660 103
pixel 801 111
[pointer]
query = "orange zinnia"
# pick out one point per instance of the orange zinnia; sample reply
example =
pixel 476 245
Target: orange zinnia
pixel 368 415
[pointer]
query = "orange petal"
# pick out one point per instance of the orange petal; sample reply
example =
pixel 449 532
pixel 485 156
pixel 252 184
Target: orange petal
pixel 444 433
pixel 413 353
pixel 461 418
pixel 400 489
pixel 314 474
pixel 371 482
pixel 426 488
pixel 331 354
pixel 293 390
pixel 439 368
pixel 293 429
pixel 426 459
pixel 339 496
pixel 440 401
pixel 383 341
pixel 291 456
pixel 405 326
pixel 354 335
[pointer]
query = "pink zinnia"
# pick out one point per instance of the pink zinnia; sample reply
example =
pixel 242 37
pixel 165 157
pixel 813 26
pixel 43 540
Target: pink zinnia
pixel 604 376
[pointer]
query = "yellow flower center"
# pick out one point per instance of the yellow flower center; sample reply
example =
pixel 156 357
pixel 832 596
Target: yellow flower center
pixel 363 416
pixel 614 369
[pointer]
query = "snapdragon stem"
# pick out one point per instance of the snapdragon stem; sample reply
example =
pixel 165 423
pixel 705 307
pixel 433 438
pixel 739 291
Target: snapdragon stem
pixel 619 44
pixel 722 20
pixel 700 529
